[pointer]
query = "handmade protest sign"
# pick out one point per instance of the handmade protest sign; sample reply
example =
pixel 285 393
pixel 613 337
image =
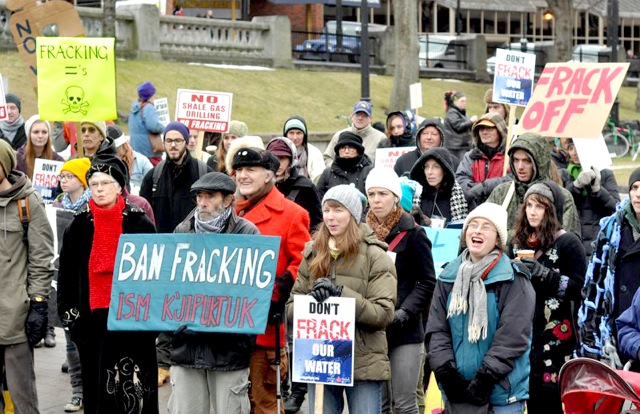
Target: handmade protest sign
pixel 204 110
pixel 323 340
pixel 79 77
pixel 387 157
pixel 45 178
pixel 593 152
pixel 513 79
pixel 3 104
pixel 207 282
pixel 162 109
pixel 572 99
pixel 445 244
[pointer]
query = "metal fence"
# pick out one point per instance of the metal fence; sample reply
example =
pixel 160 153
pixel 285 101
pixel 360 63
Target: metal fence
pixel 329 48
pixel 441 52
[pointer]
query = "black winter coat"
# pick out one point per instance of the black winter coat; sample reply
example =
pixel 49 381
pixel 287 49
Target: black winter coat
pixel 457 129
pixel 19 140
pixel 172 200
pixel 416 281
pixel 304 193
pixel 335 175
pixel 626 272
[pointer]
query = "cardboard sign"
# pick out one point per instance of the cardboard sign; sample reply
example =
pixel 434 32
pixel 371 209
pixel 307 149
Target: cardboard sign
pixel 572 99
pixel 204 110
pixel 323 340
pixel 3 104
pixel 79 77
pixel 514 75
pixel 445 244
pixel 593 152
pixel 415 95
pixel 208 282
pixel 45 178
pixel 162 109
pixel 34 20
pixel 387 157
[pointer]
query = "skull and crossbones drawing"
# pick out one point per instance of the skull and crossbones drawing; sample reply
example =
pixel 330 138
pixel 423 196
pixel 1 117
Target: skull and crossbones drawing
pixel 74 101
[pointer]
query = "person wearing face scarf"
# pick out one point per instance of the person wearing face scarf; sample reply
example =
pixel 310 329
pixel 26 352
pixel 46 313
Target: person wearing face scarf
pixel 480 321
pixel 12 129
pixel 351 165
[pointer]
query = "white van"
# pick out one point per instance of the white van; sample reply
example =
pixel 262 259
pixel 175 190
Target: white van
pixel 437 52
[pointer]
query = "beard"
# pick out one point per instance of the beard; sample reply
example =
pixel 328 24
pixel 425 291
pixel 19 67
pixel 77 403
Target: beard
pixel 175 158
pixel 208 215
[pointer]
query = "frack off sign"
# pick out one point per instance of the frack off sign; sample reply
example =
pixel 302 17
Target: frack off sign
pixel 204 110
pixel 208 282
pixel 323 338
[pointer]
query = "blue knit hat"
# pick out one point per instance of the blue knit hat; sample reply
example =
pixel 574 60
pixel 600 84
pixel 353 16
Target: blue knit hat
pixel 180 127
pixel 146 91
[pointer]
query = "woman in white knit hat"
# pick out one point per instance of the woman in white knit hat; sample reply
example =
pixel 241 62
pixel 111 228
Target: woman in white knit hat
pixel 416 280
pixel 346 259
pixel 480 321
pixel 38 145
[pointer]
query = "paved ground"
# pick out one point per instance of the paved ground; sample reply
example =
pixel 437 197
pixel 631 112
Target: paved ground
pixel 54 390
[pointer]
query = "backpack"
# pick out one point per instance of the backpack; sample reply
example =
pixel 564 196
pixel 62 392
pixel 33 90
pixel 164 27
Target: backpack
pixel 25 215
pixel 157 173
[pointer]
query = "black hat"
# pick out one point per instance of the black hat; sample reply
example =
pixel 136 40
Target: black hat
pixel 350 139
pixel 112 165
pixel 635 176
pixel 215 181
pixel 247 157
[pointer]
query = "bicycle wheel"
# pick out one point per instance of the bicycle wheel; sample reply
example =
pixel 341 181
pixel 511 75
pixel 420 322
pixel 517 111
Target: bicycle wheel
pixel 617 144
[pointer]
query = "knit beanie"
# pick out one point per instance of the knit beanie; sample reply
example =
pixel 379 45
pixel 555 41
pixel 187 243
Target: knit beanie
pixel 635 176
pixel 351 139
pixel 384 178
pixel 238 128
pixel 284 147
pixel 496 214
pixel 12 98
pixel 100 126
pixel 7 157
pixel 349 196
pixel 411 192
pixel 294 123
pixel 146 91
pixel 79 168
pixel 178 126
pixel 552 192
pixel 29 123
pixel 540 189
pixel 109 164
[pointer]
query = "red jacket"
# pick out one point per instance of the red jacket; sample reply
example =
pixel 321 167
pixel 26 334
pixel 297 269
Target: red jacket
pixel 482 168
pixel 277 216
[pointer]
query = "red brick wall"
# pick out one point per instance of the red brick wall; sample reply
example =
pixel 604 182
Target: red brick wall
pixel 295 12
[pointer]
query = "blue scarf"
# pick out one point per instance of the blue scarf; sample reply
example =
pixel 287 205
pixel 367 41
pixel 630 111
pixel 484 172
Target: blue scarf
pixel 84 198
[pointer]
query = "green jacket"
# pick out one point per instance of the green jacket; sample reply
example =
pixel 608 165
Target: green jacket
pixel 371 280
pixel 537 147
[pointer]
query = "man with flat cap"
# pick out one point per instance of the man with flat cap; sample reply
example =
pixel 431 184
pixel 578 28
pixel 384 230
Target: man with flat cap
pixel 259 201
pixel 211 369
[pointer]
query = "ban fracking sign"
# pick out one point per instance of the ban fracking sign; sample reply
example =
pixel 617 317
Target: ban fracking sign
pixel 204 110
pixel 207 282
pixel 572 99
pixel 77 78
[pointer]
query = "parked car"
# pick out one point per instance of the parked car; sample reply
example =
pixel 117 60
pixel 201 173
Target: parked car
pixel 326 46
pixel 438 52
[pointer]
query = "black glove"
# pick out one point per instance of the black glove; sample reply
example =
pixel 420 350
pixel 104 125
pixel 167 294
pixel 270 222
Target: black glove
pixel 36 327
pixel 537 270
pixel 183 330
pixel 284 284
pixel 477 191
pixel 401 316
pixel 276 310
pixel 480 388
pixel 324 288
pixel 453 383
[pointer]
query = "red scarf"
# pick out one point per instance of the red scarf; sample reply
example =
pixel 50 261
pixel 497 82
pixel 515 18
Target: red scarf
pixel 107 228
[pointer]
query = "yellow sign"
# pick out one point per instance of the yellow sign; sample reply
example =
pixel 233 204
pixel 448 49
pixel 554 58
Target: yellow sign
pixel 76 78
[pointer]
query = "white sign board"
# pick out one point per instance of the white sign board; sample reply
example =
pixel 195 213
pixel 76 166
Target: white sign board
pixel 387 157
pixel 323 340
pixel 45 178
pixel 415 93
pixel 593 153
pixel 204 110
pixel 514 76
pixel 162 109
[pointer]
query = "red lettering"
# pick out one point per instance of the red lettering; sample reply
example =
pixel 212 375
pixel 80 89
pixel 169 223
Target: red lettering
pixel 212 99
pixel 197 98
pixel 576 106
pixel 604 86
pixel 532 117
pixel 166 312
pixel 323 329
pixel 551 112
pixel 544 79
pixel 245 313
pixel 559 77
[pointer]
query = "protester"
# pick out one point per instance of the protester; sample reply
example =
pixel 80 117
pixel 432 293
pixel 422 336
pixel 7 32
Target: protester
pixel 346 259
pixel 557 273
pixel 361 119
pixel 430 134
pixel 262 204
pixel 211 369
pixel 559 153
pixel 84 293
pixel 237 129
pixel 495 107
pixel 456 123
pixel 595 194
pixel 137 164
pixel 482 168
pixel 38 145
pixel 415 279
pixel 611 279
pixel 479 326
pixel 143 120
pixel 93 136
pixel 400 129
pixel 628 324
pixel 27 272
pixel 192 146
pixel 442 200
pixel 530 163
pixel 12 129
pixel 291 184
pixel 351 165
pixel 310 161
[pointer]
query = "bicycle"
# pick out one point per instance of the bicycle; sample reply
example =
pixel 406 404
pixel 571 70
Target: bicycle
pixel 620 140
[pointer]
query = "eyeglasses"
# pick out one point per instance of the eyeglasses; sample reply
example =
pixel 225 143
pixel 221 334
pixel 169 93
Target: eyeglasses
pixel 171 142
pixel 485 228
pixel 66 177
pixel 99 184
pixel 91 130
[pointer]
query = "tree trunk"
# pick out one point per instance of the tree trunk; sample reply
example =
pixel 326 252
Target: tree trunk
pixel 563 15
pixel 109 18
pixel 406 52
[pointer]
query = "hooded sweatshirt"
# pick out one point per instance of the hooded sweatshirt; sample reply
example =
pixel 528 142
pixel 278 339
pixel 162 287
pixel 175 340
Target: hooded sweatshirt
pixel 405 162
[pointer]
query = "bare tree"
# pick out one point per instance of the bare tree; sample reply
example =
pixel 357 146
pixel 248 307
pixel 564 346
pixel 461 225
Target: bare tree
pixel 109 18
pixel 563 12
pixel 406 52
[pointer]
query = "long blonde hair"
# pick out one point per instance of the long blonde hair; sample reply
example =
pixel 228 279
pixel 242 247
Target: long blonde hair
pixel 30 153
pixel 348 244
